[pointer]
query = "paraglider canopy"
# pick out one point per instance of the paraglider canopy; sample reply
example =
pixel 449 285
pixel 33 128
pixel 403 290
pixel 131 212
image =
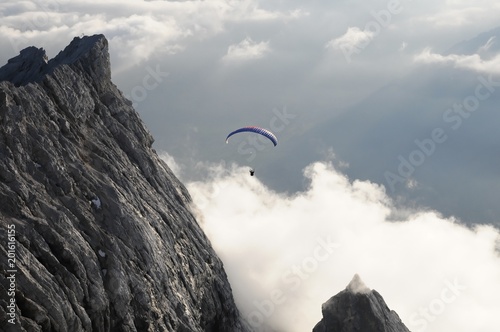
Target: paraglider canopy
pixel 257 130
pixel 253 129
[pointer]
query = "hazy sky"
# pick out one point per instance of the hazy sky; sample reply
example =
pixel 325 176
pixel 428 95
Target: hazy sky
pixel 390 106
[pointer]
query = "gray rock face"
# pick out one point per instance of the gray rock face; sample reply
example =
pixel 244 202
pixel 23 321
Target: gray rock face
pixel 104 238
pixel 358 309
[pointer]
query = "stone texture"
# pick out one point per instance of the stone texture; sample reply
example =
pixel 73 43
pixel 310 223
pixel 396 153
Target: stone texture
pixel 105 240
pixel 358 309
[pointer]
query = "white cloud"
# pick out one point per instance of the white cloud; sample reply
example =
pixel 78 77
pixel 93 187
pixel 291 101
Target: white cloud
pixel 247 49
pixel 286 255
pixel 175 167
pixel 353 38
pixel 471 62
pixel 352 42
pixel 455 14
pixel 136 29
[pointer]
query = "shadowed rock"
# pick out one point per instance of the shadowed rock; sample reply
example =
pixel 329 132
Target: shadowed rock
pixel 104 237
pixel 358 309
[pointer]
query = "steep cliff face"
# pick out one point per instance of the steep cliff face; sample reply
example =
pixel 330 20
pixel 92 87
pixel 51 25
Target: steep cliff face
pixel 100 227
pixel 358 309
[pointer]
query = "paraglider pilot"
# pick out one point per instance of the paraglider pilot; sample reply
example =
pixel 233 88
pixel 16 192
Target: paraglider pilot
pixel 252 172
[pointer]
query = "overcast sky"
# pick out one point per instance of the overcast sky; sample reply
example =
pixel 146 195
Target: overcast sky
pixel 397 99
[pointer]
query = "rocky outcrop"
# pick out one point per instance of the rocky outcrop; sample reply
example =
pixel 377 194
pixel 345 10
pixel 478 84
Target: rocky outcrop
pixel 101 229
pixel 358 309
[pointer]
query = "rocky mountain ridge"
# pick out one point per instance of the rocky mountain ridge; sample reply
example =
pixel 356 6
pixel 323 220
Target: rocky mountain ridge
pixel 102 234
pixel 358 309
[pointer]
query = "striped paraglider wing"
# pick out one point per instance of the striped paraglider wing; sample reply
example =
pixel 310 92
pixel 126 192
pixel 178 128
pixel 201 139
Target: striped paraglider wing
pixel 257 130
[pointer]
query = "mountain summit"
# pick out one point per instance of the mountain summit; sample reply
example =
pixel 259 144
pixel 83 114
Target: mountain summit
pixel 358 309
pixel 101 237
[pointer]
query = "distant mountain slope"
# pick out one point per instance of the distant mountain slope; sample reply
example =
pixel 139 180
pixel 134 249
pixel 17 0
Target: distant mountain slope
pixel 486 42
pixel 378 137
pixel 101 229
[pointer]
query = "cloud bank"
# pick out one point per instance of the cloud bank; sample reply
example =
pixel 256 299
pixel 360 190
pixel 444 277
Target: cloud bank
pixel 137 30
pixel 286 255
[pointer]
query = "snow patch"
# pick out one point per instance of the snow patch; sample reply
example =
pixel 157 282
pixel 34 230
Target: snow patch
pixel 96 202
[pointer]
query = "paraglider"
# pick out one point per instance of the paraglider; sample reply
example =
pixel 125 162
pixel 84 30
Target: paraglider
pixel 253 129
pixel 258 130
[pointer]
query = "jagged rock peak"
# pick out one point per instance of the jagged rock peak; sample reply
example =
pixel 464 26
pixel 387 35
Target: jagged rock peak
pixel 357 286
pixel 358 309
pixel 87 55
pixel 25 67
pixel 104 236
